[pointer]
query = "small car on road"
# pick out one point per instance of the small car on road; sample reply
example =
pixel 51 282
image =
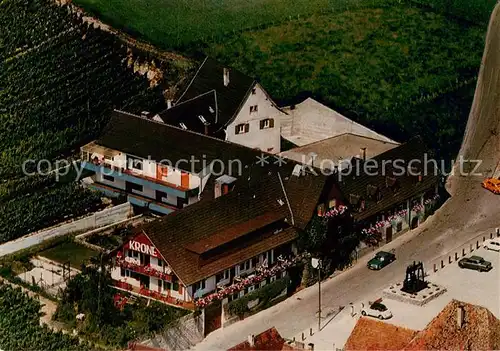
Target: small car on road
pixel 476 263
pixel 376 309
pixel 492 244
pixel 381 259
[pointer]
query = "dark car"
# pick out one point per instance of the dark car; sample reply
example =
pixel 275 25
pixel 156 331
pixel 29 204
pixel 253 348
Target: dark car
pixel 475 262
pixel 381 259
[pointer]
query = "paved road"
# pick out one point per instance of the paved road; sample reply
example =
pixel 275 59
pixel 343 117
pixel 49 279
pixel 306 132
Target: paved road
pixel 298 313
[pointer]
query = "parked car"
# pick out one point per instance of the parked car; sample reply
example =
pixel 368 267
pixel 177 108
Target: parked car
pixel 376 309
pixel 381 259
pixel 492 244
pixel 476 263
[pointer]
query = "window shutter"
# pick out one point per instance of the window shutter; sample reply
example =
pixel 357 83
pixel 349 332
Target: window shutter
pixel 262 123
pixel 247 127
pixel 236 129
pixel 271 122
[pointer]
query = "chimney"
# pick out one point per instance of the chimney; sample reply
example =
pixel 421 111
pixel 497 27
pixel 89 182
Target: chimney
pixel 226 77
pixel 313 158
pixel 251 340
pixel 310 346
pixel 363 153
pixel 460 316
pixel 169 104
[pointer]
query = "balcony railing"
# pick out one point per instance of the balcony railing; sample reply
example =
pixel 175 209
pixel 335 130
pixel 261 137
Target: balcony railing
pixel 260 274
pixel 143 269
pixel 155 295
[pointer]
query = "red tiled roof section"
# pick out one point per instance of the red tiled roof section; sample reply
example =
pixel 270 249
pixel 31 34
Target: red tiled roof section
pixel 268 340
pixel 233 232
pixel 370 334
pixel 480 330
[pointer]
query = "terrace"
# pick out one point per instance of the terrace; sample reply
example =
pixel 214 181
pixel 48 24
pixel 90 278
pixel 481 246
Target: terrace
pixel 143 292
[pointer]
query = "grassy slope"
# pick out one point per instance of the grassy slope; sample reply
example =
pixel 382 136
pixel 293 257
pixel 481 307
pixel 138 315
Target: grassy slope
pixel 372 64
pixel 70 251
pixel 171 23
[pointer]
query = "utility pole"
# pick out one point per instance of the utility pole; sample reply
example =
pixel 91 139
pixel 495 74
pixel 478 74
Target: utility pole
pixel 316 263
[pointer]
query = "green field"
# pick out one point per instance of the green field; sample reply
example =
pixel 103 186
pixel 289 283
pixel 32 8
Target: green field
pixel 70 251
pixel 176 23
pixel 377 66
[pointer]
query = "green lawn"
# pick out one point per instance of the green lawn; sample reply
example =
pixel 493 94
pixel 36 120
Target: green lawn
pixel 70 251
pixel 372 64
pixel 175 23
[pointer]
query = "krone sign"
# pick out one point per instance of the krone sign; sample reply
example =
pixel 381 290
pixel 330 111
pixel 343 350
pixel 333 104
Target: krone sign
pixel 145 249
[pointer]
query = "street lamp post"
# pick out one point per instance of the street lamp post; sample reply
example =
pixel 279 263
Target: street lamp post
pixel 316 263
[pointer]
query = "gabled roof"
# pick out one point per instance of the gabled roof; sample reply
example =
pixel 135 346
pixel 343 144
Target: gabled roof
pixel 480 330
pixel 370 334
pixel 363 174
pixel 184 236
pixel 268 340
pixel 194 114
pixel 209 77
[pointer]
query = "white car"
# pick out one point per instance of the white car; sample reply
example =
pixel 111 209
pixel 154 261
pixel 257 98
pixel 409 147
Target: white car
pixel 492 244
pixel 376 309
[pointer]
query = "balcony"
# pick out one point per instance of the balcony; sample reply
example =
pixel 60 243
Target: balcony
pixel 143 269
pixel 169 300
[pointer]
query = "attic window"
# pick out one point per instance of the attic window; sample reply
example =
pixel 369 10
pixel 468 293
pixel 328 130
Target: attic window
pixel 254 91
pixel 183 126
pixel 210 108
pixel 281 203
pixel 254 108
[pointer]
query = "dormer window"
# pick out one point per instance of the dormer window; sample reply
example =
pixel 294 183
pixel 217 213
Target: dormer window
pixel 210 108
pixel 267 123
pixel 202 119
pixel 254 108
pixel 183 126
pixel 242 128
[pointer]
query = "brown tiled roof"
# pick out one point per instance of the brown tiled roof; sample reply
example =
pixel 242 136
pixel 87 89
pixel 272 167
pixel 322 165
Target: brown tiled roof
pixel 480 331
pixel 268 340
pixel 144 138
pixel 175 234
pixel 229 98
pixel 360 177
pixel 370 334
pixel 233 232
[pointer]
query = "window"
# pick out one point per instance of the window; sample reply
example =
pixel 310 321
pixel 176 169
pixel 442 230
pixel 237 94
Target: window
pixel 133 186
pixel 254 91
pixel 254 108
pixel 222 276
pixel 199 285
pixel 321 210
pixel 122 272
pixel 160 262
pixel 108 178
pixel 245 266
pixel 166 285
pixel 175 285
pixel 332 203
pixel 242 128
pixel 109 158
pixel 134 162
pixel 266 123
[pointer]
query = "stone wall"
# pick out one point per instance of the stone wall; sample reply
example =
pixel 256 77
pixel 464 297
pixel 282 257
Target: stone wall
pixel 181 335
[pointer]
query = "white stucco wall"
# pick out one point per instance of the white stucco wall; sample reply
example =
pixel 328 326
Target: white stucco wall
pixel 311 121
pixel 264 139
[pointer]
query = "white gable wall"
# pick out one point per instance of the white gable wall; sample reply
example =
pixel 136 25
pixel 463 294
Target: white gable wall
pixel 267 140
